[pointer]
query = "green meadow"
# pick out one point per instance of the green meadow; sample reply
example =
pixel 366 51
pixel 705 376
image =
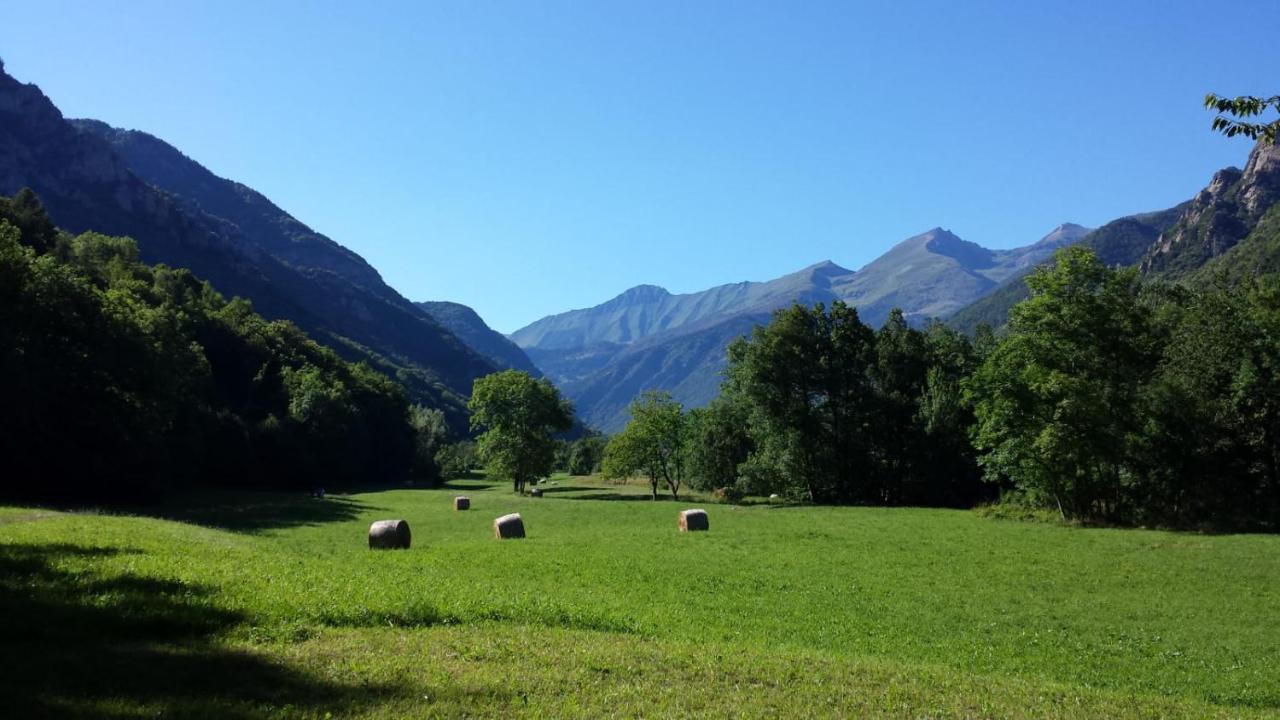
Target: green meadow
pixel 268 605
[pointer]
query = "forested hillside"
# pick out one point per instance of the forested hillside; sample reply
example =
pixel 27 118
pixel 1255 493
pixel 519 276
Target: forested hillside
pixel 94 178
pixel 122 380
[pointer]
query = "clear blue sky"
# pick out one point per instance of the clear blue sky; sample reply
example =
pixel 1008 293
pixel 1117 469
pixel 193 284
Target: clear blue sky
pixel 526 158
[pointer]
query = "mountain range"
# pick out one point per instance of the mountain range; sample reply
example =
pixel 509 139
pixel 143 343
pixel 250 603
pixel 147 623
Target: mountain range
pixel 648 338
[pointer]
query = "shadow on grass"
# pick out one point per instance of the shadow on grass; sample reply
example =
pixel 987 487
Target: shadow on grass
pixel 473 482
pixel 78 644
pixel 254 511
pixel 591 492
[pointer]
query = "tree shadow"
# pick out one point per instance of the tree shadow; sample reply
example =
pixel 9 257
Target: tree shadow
pixel 598 493
pixel 476 482
pixel 256 511
pixel 78 644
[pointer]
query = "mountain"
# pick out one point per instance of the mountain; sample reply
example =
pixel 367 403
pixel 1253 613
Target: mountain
pixel 161 165
pixel 1219 218
pixel 1231 228
pixel 92 177
pixel 472 330
pixel 936 273
pixel 689 364
pixel 648 338
pixel 1119 242
pixel 648 310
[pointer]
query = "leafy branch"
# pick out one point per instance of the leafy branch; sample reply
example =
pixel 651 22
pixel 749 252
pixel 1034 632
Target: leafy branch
pixel 1233 111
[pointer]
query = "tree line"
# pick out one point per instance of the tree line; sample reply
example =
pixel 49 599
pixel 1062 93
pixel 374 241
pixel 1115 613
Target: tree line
pixel 816 406
pixel 1104 399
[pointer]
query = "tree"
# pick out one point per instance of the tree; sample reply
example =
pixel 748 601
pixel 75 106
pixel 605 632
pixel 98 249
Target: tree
pixel 456 460
pixel 430 430
pixel 520 416
pixel 718 442
pixel 653 443
pixel 586 454
pixel 1057 402
pixel 1232 111
pixel 806 377
pixel 1211 441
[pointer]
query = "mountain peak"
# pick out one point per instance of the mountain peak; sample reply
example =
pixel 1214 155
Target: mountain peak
pixel 642 293
pixel 1065 234
pixel 825 269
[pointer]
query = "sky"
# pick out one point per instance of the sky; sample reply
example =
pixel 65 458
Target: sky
pixel 527 158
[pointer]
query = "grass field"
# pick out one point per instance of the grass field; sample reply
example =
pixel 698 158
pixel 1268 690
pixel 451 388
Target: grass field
pixel 272 606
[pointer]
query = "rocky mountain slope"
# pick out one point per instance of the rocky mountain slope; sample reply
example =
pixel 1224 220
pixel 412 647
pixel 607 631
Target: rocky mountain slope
pixel 1119 242
pixel 1219 217
pixel 1231 228
pixel 92 177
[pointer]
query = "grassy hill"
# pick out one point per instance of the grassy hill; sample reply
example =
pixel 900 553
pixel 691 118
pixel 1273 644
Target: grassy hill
pixel 271 606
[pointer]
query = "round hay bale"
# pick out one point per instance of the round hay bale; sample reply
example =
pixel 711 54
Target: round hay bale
pixel 693 520
pixel 462 502
pixel 536 492
pixel 389 535
pixel 508 527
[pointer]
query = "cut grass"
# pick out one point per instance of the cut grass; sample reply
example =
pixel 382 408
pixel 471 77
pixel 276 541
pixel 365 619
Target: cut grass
pixel 260 605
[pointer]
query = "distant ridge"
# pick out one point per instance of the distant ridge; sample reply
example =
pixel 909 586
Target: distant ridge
pixel 472 330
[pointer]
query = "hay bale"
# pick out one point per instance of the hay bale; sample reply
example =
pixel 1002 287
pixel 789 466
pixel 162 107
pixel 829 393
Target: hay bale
pixel 388 535
pixel 536 492
pixel 693 520
pixel 462 502
pixel 508 527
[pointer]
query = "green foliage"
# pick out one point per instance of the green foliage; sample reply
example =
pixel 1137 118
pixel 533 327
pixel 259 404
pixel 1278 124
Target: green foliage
pixel 122 378
pixel 1210 447
pixel 1057 401
pixel 1232 111
pixel 807 378
pixel 586 455
pixel 27 215
pixel 719 441
pixel 835 412
pixel 457 460
pixel 520 416
pixel 430 430
pixel 652 444
pixel 1114 405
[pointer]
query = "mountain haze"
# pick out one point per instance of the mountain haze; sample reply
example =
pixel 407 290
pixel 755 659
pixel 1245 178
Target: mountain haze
pixel 647 310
